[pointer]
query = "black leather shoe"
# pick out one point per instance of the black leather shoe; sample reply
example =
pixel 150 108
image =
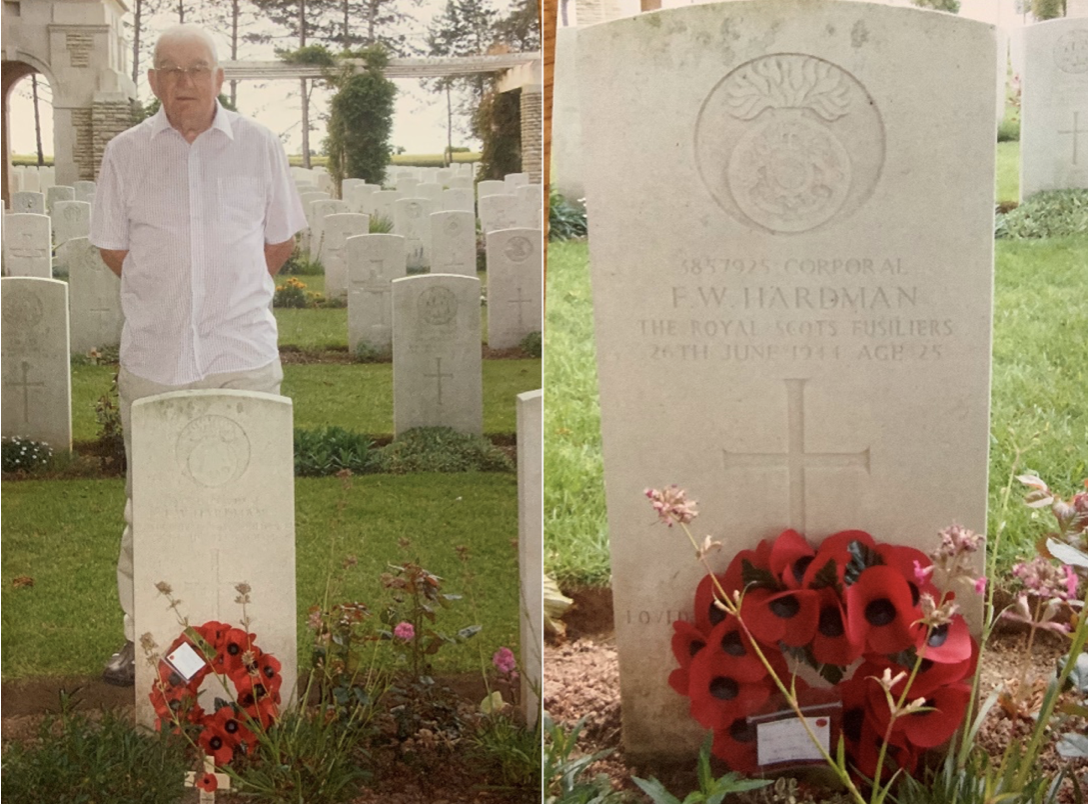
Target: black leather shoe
pixel 121 668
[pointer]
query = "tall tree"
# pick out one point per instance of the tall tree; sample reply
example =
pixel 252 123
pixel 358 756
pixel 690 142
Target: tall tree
pixel 234 19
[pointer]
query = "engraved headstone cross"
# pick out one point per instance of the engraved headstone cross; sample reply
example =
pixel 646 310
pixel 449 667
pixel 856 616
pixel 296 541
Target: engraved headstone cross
pixel 439 375
pixel 26 386
pixel 1075 131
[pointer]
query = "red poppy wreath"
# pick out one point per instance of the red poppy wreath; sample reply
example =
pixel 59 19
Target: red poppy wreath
pixel 852 599
pixel 231 654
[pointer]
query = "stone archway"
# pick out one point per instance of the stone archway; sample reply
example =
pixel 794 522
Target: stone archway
pixel 78 46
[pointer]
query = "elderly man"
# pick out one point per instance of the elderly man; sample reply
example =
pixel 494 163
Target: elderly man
pixel 196 211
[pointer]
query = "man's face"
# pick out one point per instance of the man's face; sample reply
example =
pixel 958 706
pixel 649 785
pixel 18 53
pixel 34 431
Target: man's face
pixel 186 82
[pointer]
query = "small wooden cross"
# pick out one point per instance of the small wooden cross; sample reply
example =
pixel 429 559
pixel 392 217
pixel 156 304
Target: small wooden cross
pixel 221 778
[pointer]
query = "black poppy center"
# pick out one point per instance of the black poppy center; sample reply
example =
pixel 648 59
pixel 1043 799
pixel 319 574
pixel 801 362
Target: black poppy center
pixel 259 690
pixel 733 644
pixel 231 726
pixel 831 622
pixel 246 699
pixel 693 647
pixel 742 731
pixel 216 743
pixel 270 673
pixel 724 689
pixel 938 636
pixel 174 679
pixel 716 614
pixel 785 607
pixel 800 566
pixel 234 649
pixel 915 595
pixel 851 723
pixel 880 612
pixel 925 665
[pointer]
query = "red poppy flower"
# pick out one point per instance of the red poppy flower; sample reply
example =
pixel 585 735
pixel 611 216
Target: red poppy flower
pixel 790 556
pixel 760 559
pixel 836 548
pixel 268 671
pixel 717 696
pixel 258 713
pixel 904 560
pixel 833 642
pixel 234 644
pixel 928 729
pixel 932 675
pixel 728 638
pixel 215 743
pixel 735 744
pixel 949 643
pixel 790 616
pixel 226 722
pixel 879 613
pixel 707 612
pixel 687 641
pixel 207 782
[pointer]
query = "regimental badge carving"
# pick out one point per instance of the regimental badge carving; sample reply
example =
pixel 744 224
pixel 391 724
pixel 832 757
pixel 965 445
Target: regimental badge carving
pixel 22 312
pixel 1071 52
pixel 789 142
pixel 453 226
pixel 213 450
pixel 437 306
pixel 519 249
pixel 414 210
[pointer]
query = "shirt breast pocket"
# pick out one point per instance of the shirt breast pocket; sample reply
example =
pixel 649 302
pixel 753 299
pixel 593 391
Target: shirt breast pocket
pixel 241 202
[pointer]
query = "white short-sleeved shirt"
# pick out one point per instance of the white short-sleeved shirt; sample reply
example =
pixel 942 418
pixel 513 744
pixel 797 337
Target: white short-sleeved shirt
pixel 195 288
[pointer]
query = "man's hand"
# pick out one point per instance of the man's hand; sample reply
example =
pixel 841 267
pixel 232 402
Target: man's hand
pixel 113 259
pixel 276 254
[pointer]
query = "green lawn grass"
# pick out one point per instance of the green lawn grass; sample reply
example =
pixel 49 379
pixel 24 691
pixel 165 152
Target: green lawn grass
pixel 65 535
pixel 1008 172
pixel 355 396
pixel 1039 376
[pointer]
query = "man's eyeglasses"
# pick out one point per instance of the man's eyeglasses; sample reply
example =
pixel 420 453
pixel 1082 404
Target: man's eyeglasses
pixel 174 74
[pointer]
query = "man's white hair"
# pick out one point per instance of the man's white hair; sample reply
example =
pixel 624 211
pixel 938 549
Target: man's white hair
pixel 186 31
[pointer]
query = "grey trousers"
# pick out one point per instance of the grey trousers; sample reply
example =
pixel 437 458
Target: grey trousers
pixel 129 389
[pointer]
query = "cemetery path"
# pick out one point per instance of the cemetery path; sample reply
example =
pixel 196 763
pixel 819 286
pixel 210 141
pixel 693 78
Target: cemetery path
pixel 581 680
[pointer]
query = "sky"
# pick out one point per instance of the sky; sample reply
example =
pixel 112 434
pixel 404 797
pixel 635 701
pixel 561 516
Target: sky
pixel 419 125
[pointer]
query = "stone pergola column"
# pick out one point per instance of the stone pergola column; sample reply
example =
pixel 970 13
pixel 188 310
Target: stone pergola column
pixel 532 132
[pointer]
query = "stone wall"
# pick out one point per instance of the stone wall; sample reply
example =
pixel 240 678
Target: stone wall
pixel 532 133
pixel 108 119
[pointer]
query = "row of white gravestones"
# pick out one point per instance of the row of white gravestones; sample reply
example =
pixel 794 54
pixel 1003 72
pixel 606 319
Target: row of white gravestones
pixel 336 229
pixel 509 211
pixel 437 365
pixel 530 424
pixel 94 297
pixel 71 219
pixel 212 477
pixel 35 363
pixel 815 359
pixel 32 178
pixel 374 262
pixel 412 220
pixel 1054 107
pixel 515 286
pixel 453 242
pixel 57 193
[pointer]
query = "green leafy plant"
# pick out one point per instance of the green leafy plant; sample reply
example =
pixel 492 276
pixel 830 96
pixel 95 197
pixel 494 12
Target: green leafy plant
pixel 507 751
pixel 300 263
pixel 441 449
pixel 103 760
pixel 532 344
pixel 497 123
pixel 711 790
pixel 565 221
pixel 564 769
pixel 361 118
pixel 365 352
pixel 25 455
pixel 111 437
pixel 1056 213
pixel 292 293
pixel 380 224
pixel 319 453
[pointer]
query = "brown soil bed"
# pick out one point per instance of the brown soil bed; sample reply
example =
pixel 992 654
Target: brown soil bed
pixel 581 680
pixel 419 770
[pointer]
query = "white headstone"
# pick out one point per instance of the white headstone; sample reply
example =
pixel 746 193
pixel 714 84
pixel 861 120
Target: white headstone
pixel 437 379
pixel 443 175
pixel 56 194
pixel 319 210
pixel 213 506
pixel 453 243
pixel 374 261
pixel 458 199
pixel 95 297
pixel 47 177
pixel 26 201
pixel 307 242
pixel 27 245
pixel 406 186
pixel 381 204
pixel 1054 108
pixel 345 188
pixel 430 190
pixel 490 187
pixel 515 281
pixel 34 358
pixel 412 219
pixel 18 178
pixel 770 343
pixel 85 191
pixel 460 183
pixel 71 219
pixel 336 229
pixel 515 180
pixel 32 179
pixel 498 211
pixel 530 423
pixel 358 197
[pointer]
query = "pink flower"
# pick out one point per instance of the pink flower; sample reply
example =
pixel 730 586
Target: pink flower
pixel 1071 582
pixel 672 505
pixel 980 585
pixel 504 660
pixel 404 631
